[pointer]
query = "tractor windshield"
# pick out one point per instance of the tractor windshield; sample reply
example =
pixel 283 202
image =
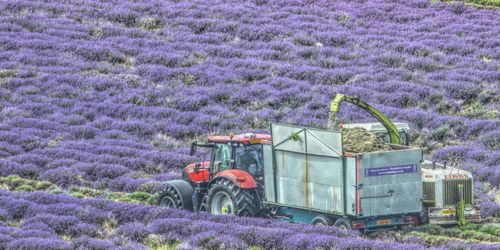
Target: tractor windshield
pixel 222 156
pixel 249 159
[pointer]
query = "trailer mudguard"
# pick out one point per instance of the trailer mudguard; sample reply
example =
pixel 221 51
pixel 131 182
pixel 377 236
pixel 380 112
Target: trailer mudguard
pixel 241 178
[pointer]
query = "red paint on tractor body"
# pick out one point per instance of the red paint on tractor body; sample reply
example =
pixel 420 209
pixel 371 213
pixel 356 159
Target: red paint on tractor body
pixel 202 175
pixel 248 138
pixel 241 178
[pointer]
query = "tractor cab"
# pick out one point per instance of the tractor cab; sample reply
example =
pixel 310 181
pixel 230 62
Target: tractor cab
pixel 243 152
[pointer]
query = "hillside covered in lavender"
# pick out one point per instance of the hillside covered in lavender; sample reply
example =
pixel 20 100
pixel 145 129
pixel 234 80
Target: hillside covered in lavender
pixel 100 99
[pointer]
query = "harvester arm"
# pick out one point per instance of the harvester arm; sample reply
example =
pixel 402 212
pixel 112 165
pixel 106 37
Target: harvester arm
pixel 335 107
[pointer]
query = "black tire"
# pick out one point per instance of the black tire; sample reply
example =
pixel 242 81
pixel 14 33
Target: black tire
pixel 424 215
pixel 342 223
pixel 177 194
pixel 322 220
pixel 239 202
pixel 169 197
pixel 406 228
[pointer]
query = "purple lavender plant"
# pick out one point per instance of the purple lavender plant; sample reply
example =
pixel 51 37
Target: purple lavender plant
pixel 108 95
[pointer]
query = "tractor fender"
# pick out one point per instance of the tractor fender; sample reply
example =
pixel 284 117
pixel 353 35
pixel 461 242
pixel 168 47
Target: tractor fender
pixel 185 191
pixel 241 178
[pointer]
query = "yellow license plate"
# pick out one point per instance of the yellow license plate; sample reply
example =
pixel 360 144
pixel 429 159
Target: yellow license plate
pixel 255 141
pixel 384 222
pixel 447 211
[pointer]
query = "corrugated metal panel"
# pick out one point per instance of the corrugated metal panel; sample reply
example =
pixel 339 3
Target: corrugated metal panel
pixel 350 186
pixel 268 174
pixel 395 190
pixel 308 168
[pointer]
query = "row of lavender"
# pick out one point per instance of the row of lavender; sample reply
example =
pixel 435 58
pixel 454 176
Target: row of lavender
pixel 46 221
pixel 114 164
pixel 49 221
pixel 102 94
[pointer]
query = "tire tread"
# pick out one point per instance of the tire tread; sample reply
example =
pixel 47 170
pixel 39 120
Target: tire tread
pixel 244 199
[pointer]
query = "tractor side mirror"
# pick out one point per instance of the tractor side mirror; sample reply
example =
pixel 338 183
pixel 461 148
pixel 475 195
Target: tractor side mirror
pixel 193 148
pixel 197 167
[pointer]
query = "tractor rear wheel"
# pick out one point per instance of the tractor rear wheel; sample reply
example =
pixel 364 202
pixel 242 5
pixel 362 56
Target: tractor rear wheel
pixel 225 197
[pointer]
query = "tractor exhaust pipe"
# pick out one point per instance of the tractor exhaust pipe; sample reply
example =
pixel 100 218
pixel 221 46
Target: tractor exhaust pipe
pixel 193 148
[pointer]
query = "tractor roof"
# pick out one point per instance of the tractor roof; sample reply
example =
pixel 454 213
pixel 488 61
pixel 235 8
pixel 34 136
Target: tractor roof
pixel 246 138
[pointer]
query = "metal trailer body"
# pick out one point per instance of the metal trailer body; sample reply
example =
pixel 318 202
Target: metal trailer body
pixel 307 174
pixel 441 196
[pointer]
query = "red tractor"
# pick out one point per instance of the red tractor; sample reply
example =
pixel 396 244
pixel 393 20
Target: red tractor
pixel 230 182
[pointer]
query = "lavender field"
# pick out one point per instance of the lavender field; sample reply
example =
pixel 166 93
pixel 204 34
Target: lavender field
pixel 100 99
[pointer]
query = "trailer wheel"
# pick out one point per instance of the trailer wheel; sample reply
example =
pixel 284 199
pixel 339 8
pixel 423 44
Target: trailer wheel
pixel 322 220
pixel 424 216
pixel 342 223
pixel 406 228
pixel 225 197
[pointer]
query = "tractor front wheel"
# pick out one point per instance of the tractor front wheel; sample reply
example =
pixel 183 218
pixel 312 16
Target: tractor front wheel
pixel 225 197
pixel 169 197
pixel 177 194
